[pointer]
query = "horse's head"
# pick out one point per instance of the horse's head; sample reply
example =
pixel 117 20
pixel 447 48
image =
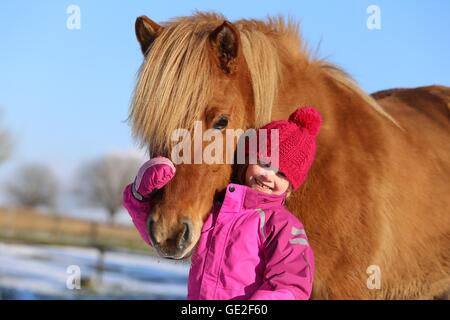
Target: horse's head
pixel 198 71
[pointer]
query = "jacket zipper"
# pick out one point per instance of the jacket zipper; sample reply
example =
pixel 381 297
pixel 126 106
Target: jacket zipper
pixel 221 257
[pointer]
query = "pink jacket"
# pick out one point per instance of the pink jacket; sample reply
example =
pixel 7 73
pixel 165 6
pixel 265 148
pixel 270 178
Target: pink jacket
pixel 251 247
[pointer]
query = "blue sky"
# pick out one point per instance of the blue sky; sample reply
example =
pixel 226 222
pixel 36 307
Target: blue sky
pixel 64 94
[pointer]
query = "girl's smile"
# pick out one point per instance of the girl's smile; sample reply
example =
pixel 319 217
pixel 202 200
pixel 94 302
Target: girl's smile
pixel 264 179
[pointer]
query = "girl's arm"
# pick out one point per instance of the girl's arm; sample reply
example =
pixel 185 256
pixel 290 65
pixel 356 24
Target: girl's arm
pixel 289 262
pixel 153 175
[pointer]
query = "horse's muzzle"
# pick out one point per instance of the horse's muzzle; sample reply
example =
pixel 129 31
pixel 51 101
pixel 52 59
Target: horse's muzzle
pixel 175 245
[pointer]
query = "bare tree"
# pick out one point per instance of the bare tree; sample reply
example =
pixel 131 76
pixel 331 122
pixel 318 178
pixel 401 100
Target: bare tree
pixel 100 183
pixel 5 143
pixel 33 185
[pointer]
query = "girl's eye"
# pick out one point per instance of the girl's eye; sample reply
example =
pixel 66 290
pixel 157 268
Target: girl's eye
pixel 221 123
pixel 263 164
pixel 281 174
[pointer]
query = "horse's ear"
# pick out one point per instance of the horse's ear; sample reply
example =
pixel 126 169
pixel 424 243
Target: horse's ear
pixel 225 43
pixel 146 32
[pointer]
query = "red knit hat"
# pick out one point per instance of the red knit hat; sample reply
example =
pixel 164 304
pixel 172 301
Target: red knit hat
pixel 297 143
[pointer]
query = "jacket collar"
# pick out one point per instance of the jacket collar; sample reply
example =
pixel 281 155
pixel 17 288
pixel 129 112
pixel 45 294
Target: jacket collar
pixel 240 197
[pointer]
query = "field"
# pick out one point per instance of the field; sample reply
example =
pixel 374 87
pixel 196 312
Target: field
pixel 27 226
pixel 37 249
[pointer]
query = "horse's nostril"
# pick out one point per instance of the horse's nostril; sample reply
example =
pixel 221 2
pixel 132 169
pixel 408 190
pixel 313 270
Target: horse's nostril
pixel 171 243
pixel 150 233
pixel 184 235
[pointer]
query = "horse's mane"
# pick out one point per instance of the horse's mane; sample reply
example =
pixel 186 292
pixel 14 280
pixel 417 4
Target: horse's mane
pixel 170 94
pixel 344 79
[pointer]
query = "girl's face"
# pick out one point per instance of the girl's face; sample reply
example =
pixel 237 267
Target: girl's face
pixel 264 179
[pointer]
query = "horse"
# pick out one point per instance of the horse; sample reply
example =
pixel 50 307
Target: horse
pixel 376 201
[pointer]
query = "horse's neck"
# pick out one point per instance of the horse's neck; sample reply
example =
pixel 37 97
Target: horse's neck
pixel 350 132
pixel 304 83
pixel 301 84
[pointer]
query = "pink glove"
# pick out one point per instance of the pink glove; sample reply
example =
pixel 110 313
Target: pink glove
pixel 153 175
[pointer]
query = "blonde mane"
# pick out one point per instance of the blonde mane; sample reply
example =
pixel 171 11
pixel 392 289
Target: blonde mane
pixel 170 94
pixel 175 80
pixel 263 63
pixel 344 79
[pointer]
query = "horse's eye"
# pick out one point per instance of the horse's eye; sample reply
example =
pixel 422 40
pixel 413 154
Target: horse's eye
pixel 221 123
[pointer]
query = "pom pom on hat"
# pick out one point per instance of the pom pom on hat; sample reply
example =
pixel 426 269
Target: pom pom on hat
pixel 308 118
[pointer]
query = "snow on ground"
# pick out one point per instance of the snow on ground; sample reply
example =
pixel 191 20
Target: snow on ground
pixel 35 272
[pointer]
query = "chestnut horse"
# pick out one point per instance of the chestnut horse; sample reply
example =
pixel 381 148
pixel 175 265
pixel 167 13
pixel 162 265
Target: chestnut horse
pixel 376 202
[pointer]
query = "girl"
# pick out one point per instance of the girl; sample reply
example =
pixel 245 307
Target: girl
pixel 251 246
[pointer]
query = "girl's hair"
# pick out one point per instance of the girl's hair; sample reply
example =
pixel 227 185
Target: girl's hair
pixel 289 191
